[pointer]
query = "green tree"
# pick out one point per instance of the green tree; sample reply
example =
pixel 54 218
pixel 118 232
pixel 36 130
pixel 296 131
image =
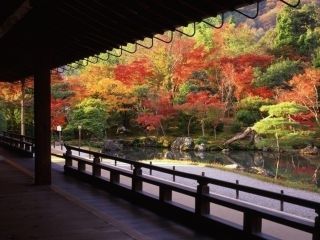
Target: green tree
pixel 61 90
pixel 248 110
pixel 184 90
pixel 204 31
pixel 240 39
pixel 279 123
pixel 277 74
pixel 92 115
pixel 316 58
pixel 3 122
pixel 296 27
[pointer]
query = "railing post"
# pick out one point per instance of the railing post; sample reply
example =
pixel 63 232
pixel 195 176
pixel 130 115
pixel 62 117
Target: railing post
pixel 165 194
pixel 20 142
pixel 81 166
pixel 114 177
pixel 173 175
pixel 251 223
pixel 32 147
pixel 136 183
pixel 68 157
pixel 316 230
pixel 150 170
pixel 202 205
pixel 96 170
pixel 281 201
pixel 237 190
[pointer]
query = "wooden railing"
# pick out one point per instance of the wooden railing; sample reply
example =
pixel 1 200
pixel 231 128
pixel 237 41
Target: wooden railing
pixel 199 215
pixel 20 143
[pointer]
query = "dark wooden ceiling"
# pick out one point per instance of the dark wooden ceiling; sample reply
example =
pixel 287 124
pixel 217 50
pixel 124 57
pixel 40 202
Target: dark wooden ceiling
pixel 75 29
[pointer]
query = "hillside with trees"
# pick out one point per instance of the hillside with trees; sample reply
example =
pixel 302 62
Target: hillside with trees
pixel 263 74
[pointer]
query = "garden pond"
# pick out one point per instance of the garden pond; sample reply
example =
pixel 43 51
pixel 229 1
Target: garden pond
pixel 286 166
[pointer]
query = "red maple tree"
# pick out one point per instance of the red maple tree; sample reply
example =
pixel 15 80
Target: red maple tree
pixel 157 110
pixel 134 73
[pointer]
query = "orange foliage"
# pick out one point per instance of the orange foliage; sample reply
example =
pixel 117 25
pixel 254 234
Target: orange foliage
pixel 200 102
pixel 305 91
pixel 238 72
pixel 133 73
pixel 57 112
pixel 187 59
pixel 158 110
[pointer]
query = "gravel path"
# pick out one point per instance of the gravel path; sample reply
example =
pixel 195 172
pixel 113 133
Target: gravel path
pixel 243 180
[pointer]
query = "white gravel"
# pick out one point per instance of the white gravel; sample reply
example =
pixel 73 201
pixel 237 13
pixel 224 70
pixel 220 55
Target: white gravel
pixel 243 180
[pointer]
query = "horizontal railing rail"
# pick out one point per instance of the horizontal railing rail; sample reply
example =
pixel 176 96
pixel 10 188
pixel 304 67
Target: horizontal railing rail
pixel 21 143
pixel 252 214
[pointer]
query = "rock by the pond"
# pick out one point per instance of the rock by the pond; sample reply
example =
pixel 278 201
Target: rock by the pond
pixel 265 149
pixel 261 171
pixel 169 155
pixel 200 147
pixel 150 142
pixel 225 150
pixel 177 155
pixel 183 144
pixel 112 145
pixel 232 166
pixel 199 154
pixel 310 150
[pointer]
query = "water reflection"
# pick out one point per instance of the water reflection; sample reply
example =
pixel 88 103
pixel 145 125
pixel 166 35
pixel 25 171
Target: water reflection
pixel 287 166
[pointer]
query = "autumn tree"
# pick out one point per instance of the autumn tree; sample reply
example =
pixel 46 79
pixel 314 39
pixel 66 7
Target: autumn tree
pixel 305 91
pixel 237 77
pixel 134 73
pixel 17 101
pixel 157 110
pixel 204 107
pixel 98 81
pixel 174 63
pixel 61 94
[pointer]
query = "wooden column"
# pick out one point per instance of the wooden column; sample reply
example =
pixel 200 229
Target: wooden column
pixel 42 119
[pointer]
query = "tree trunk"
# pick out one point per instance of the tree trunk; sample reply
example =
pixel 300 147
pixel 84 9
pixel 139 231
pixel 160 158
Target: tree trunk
pixel 22 126
pixel 215 132
pixel 162 129
pixel 246 133
pixel 278 145
pixel 189 123
pixel 202 128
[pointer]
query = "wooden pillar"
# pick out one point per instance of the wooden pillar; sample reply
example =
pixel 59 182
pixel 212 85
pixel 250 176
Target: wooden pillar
pixel 22 106
pixel 202 206
pixel 42 119
pixel 136 183
pixel 251 224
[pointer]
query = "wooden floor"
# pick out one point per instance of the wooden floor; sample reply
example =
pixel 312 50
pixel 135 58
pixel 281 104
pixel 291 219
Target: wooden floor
pixel 72 209
pixel 35 212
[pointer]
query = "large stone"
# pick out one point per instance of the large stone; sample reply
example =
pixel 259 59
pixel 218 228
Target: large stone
pixel 169 155
pixel 200 147
pixel 182 144
pixel 112 145
pixel 225 151
pixel 310 150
